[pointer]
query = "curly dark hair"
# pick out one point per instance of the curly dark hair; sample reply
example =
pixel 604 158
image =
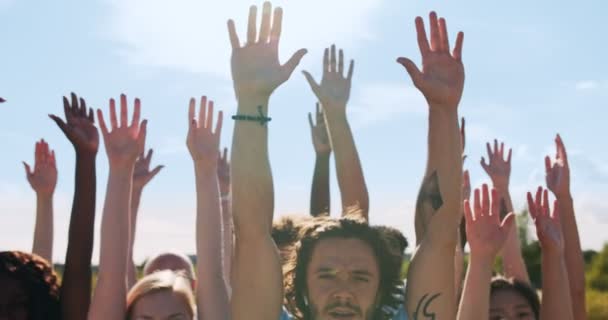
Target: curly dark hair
pixel 38 279
pixel 320 228
pixel 500 283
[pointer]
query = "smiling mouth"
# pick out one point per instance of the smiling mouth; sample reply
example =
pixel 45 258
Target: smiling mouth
pixel 342 314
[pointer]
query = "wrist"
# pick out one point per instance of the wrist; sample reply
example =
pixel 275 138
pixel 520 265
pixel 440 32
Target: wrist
pixel 122 168
pixel 484 260
pixel 564 197
pixel 334 111
pixel 323 155
pixel 204 167
pixel 248 103
pixel 45 196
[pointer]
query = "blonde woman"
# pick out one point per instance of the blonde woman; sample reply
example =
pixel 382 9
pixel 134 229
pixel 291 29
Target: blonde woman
pixel 162 295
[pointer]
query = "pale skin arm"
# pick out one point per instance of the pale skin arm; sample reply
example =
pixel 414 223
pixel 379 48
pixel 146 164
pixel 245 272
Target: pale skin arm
pixel 123 144
pixel 441 81
pixel 320 193
pixel 558 181
pixel 223 175
pixel 141 176
pixel 486 235
pixel 256 73
pixel 43 180
pixel 498 169
pixel 80 129
pixel 333 92
pixel 556 291
pixel 203 144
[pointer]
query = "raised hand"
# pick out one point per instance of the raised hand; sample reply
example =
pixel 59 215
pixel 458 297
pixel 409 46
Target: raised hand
pixel 558 173
pixel 125 142
pixel 320 137
pixel 548 223
pixel 442 77
pixel 499 168
pixel 203 143
pixel 485 232
pixel 142 173
pixel 79 127
pixel 334 90
pixel 256 69
pixel 44 177
pixel 223 172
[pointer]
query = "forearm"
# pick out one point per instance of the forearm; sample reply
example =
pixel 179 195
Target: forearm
pixel 109 299
pixel 252 210
pixel 458 270
pixel 76 283
pixel 228 242
pixel 131 268
pixel 475 301
pixel 556 292
pixel 513 261
pixel 320 193
pixel 212 297
pixel 43 233
pixel 575 264
pixel 351 180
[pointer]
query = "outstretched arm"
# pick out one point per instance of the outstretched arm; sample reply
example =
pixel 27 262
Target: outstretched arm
pixel 141 176
pixel 256 73
pixel 123 144
pixel 558 181
pixel 43 180
pixel 486 236
pixel 319 193
pixel 79 128
pixel 556 291
pixel 499 170
pixel 203 143
pixel 223 175
pixel 430 290
pixel 333 92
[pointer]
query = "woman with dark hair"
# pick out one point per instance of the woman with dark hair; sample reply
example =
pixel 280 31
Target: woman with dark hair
pixel 513 298
pixel 30 290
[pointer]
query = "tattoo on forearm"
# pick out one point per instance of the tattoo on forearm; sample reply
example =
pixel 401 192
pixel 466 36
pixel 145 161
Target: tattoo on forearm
pixel 503 208
pixel 428 202
pixel 422 309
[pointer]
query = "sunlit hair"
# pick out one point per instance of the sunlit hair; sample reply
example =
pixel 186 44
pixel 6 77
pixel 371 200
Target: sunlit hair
pixel 349 227
pixel 166 280
pixel 151 265
pixel 519 287
pixel 38 279
pixel 285 233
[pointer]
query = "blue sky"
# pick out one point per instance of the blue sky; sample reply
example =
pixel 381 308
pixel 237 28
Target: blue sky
pixel 532 69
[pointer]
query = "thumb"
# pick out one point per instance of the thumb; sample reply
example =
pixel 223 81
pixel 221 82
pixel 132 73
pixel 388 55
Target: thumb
pixel 311 81
pixel 508 222
pixel 412 69
pixel 293 62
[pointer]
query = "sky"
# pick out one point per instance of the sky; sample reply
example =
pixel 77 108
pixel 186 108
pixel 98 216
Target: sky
pixel 533 68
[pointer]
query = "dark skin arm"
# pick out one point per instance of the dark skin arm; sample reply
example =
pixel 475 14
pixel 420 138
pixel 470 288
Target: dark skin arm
pixel 80 129
pixel 319 193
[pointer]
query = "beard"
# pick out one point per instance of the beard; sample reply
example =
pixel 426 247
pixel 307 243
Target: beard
pixel 316 315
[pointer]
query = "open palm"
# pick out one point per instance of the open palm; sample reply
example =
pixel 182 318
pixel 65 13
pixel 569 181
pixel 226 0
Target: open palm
pixel 203 143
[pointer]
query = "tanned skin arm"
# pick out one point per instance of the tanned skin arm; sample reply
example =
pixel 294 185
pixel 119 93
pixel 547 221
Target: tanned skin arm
pixel 486 236
pixel 430 290
pixel 123 144
pixel 79 128
pixel 558 181
pixel 556 291
pixel 333 92
pixel 141 176
pixel 43 180
pixel 203 143
pixel 498 169
pixel 320 193
pixel 256 73
pixel 223 175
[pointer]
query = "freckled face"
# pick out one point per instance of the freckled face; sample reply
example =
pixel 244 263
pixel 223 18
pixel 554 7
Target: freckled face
pixel 342 280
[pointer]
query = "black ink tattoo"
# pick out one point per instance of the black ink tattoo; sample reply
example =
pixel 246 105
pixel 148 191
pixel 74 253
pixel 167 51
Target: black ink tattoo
pixel 428 202
pixel 423 306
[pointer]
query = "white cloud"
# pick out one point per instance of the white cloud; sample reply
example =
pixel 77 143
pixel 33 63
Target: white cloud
pixel 587 85
pixel 375 103
pixel 192 36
